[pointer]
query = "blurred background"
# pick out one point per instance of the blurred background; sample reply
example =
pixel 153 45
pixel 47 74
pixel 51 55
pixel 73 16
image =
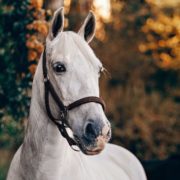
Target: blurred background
pixel 138 41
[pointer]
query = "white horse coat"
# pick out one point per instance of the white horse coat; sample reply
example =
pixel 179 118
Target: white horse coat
pixel 45 154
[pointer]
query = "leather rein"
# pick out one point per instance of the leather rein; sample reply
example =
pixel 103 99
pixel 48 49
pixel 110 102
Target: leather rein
pixel 61 122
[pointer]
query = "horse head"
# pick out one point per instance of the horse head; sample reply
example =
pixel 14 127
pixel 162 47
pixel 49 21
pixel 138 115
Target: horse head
pixel 74 71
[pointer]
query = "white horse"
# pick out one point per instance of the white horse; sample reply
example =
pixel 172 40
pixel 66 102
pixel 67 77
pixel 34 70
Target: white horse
pixel 73 69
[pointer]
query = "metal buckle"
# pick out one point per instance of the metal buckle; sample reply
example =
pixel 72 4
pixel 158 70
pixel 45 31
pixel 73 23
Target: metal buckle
pixel 65 111
pixel 46 79
pixel 62 115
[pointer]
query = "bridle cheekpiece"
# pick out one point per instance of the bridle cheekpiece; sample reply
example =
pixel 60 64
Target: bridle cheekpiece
pixel 61 122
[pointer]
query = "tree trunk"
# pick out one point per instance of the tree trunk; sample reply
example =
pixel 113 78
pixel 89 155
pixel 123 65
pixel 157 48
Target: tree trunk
pixel 53 4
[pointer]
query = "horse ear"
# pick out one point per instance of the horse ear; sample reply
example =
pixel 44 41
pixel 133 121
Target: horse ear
pixel 87 30
pixel 57 23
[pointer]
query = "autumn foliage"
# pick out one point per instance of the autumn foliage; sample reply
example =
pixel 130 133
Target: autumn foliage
pixel 38 30
pixel 163 40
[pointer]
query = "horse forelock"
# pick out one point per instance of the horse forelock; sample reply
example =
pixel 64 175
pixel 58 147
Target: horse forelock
pixel 69 42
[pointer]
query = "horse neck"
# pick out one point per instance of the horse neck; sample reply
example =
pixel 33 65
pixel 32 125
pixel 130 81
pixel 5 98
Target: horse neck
pixel 43 143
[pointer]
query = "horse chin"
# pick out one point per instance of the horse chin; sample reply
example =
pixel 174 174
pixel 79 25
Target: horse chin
pixel 91 153
pixel 92 149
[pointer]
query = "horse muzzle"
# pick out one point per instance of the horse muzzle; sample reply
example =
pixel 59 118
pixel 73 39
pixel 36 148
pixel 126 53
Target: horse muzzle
pixel 94 138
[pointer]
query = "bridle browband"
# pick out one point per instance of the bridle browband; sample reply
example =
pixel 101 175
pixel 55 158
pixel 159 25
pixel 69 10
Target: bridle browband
pixel 61 122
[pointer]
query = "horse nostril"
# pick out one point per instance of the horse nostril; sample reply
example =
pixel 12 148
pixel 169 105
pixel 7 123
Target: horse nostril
pixel 91 131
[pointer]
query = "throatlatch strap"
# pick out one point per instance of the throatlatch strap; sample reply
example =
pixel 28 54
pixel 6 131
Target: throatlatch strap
pixel 60 122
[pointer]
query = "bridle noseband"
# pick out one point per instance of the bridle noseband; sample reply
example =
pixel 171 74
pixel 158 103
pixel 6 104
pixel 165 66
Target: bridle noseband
pixel 61 122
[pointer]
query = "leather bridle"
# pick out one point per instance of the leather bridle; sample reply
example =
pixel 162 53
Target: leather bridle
pixel 61 122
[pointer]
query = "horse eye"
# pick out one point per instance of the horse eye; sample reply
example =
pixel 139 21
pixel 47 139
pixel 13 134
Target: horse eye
pixel 59 67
